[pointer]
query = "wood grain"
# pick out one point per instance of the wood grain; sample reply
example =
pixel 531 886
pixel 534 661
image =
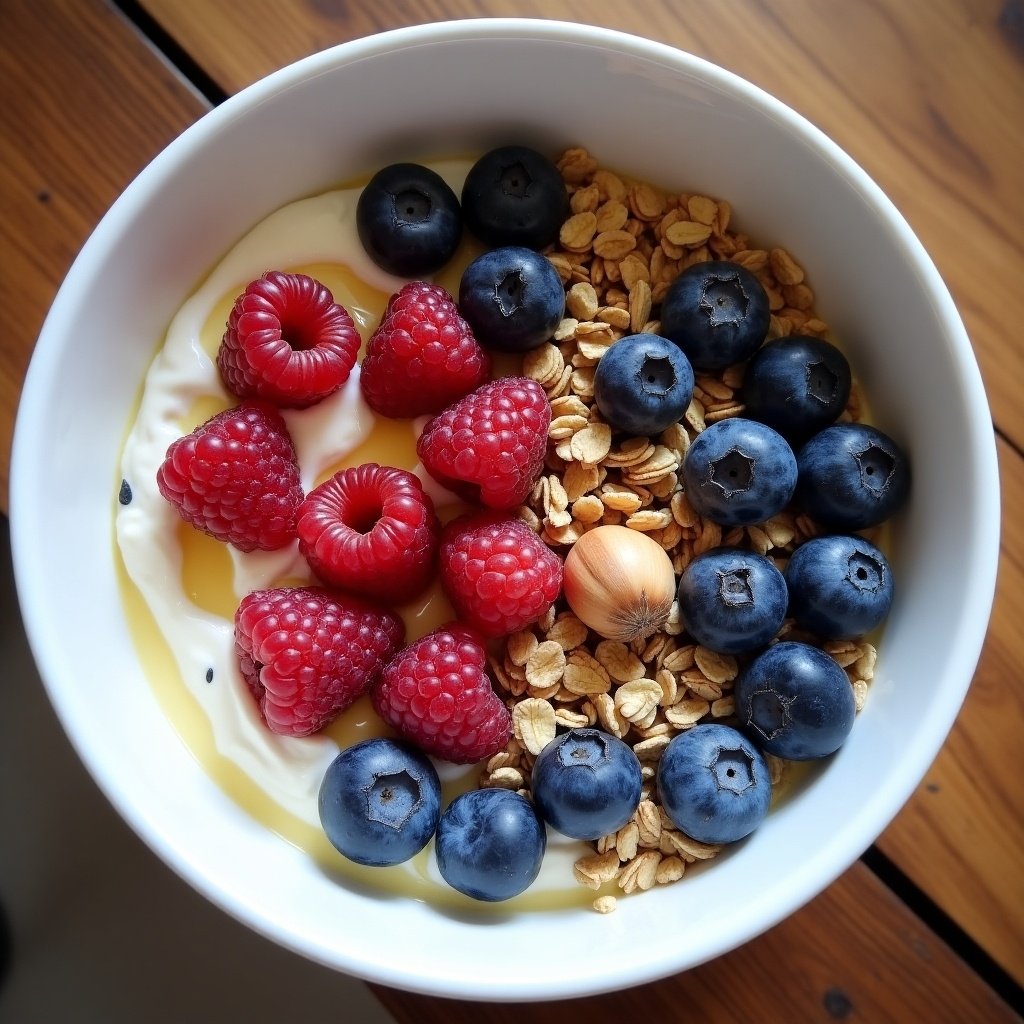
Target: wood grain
pixel 926 96
pixel 961 837
pixel 85 105
pixel 853 953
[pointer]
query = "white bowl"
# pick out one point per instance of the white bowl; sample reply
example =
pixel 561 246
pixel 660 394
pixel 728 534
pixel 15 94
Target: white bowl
pixel 646 109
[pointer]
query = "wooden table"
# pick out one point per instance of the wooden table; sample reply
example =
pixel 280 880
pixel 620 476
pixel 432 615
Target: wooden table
pixel 928 95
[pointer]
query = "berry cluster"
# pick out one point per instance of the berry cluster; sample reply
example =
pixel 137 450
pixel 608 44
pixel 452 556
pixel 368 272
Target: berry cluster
pixel 371 534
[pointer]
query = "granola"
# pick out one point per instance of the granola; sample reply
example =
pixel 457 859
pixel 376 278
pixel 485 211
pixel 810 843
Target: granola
pixel 617 253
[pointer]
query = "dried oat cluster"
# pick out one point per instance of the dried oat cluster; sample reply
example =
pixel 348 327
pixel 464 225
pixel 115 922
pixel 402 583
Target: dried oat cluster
pixel 618 251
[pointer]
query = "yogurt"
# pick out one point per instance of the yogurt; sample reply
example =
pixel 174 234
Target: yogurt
pixel 189 584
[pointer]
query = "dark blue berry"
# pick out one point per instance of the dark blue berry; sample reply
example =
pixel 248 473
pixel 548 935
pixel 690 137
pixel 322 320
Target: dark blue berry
pixel 714 784
pixel 795 701
pixel 717 313
pixel 732 601
pixel 514 196
pixel 490 844
pixel 380 801
pixel 840 586
pixel 851 476
pixel 797 385
pixel 512 298
pixel 409 220
pixel 739 471
pixel 643 384
pixel 586 783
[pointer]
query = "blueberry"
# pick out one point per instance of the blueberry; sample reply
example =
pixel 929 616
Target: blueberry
pixel 643 384
pixel 380 801
pixel 514 196
pixel 717 313
pixel 840 586
pixel 732 601
pixel 586 783
pixel 714 784
pixel 797 385
pixel 490 844
pixel 739 471
pixel 795 701
pixel 512 298
pixel 408 220
pixel 851 476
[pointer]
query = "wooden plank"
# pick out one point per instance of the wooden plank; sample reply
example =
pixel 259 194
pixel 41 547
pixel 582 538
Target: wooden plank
pixel 875 75
pixel 855 952
pixel 961 837
pixel 86 104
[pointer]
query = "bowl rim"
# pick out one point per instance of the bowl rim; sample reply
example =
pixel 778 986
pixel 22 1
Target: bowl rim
pixel 980 581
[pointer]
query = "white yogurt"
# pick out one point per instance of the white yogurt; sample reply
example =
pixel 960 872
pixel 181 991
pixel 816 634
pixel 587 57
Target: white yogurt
pixel 289 770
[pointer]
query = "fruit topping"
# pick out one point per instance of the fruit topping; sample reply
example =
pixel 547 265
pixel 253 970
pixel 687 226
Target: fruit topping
pixel 490 844
pixel 489 447
pixel 851 476
pixel 287 341
pixel 409 220
pixel 643 384
pixel 379 802
pixel 795 701
pixel 732 601
pixel 797 385
pixel 717 313
pixel 437 694
pixel 636 458
pixel 514 195
pixel 586 783
pixel 235 477
pixel 306 653
pixel 714 784
pixel 840 586
pixel 619 582
pixel 372 530
pixel 739 471
pixel 423 355
pixel 497 573
pixel 512 297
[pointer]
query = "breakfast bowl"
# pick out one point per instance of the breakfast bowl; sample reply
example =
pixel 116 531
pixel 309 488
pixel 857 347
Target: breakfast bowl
pixel 652 114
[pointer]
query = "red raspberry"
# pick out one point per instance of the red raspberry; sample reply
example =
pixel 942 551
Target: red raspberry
pixel 437 694
pixel 423 356
pixel 498 574
pixel 287 341
pixel 306 654
pixel 236 478
pixel 371 529
pixel 489 447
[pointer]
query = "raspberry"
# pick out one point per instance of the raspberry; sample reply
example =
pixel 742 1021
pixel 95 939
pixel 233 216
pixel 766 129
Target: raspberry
pixel 437 694
pixel 287 341
pixel 373 530
pixel 306 654
pixel 236 478
pixel 498 574
pixel 489 447
pixel 423 356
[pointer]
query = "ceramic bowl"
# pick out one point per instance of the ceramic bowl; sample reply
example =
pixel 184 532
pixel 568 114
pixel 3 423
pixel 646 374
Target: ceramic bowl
pixel 652 112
